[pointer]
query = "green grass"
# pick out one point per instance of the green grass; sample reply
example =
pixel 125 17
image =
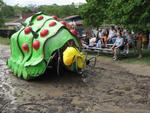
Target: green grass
pixel 129 59
pixel 5 41
pixel 134 60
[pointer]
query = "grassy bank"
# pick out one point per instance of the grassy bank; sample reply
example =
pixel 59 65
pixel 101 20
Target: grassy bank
pixel 134 60
pixel 131 58
pixel 5 41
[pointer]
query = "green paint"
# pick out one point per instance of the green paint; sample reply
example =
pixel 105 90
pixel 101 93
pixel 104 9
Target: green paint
pixel 32 63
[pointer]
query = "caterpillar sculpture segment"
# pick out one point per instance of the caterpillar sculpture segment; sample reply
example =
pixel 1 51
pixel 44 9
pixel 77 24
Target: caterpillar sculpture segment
pixel 42 40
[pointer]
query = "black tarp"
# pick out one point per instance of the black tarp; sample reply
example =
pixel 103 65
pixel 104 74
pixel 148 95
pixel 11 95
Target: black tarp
pixel 6 32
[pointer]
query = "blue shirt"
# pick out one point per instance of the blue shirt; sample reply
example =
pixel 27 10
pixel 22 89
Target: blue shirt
pixel 118 42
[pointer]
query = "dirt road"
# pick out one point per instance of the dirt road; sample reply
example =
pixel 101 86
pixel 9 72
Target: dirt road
pixel 116 88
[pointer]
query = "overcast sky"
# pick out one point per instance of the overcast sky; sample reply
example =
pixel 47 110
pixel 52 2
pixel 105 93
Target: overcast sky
pixel 41 2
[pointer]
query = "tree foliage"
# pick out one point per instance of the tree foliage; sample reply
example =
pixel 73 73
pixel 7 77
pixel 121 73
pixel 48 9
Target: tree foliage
pixel 1 16
pixel 130 13
pixel 94 11
pixel 7 12
pixel 61 11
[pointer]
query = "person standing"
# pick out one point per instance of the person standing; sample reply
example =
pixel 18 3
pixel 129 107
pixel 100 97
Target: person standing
pixel 149 40
pixel 139 37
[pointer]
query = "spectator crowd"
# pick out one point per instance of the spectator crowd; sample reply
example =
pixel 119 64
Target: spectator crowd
pixel 119 38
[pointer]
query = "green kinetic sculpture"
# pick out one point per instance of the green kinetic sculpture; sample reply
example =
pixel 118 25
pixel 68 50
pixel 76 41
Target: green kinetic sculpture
pixel 43 41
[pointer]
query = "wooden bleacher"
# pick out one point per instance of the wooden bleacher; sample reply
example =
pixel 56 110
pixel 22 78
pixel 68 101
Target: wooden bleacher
pixel 99 50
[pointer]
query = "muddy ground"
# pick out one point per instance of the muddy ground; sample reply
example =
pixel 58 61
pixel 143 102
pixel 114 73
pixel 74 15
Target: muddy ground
pixel 116 88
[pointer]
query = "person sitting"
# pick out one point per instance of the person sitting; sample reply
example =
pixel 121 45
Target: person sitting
pixel 99 44
pixel 92 42
pixel 117 46
pixel 83 43
pixel 104 37
pixel 112 35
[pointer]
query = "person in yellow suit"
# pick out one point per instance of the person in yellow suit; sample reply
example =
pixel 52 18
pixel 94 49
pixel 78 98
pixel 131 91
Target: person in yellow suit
pixel 74 59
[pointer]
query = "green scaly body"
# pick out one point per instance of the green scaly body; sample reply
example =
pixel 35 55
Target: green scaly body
pixel 32 63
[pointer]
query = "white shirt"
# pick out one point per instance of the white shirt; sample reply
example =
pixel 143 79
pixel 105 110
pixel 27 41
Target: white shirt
pixel 111 34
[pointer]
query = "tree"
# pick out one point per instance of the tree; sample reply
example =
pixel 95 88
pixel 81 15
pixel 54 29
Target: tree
pixel 7 11
pixel 94 11
pixel 1 3
pixel 61 11
pixel 132 14
pixel 1 14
